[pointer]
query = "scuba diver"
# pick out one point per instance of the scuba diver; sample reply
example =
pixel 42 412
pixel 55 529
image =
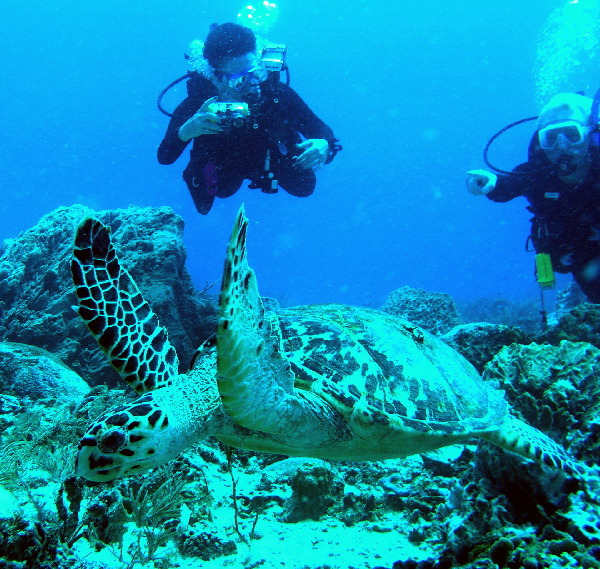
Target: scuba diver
pixel 244 122
pixel 561 181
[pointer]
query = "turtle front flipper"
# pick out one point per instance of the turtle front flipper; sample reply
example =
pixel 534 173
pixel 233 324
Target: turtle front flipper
pixel 254 376
pixel 115 312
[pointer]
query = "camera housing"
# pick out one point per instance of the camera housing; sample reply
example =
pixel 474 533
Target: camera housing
pixel 233 115
pixel 273 57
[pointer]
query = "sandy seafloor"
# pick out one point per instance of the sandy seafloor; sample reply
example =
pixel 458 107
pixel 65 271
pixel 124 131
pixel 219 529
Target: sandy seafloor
pixel 326 543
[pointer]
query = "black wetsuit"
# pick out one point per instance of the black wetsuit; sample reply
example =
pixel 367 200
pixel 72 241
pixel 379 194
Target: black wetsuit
pixel 219 163
pixel 566 221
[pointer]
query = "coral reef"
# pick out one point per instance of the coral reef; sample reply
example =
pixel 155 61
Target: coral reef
pixel 314 490
pixel 434 311
pixel 27 371
pixel 480 342
pixel 454 507
pixel 204 545
pixel 578 324
pixel 554 388
pixel 570 297
pixel 524 315
pixel 36 290
pixel 473 506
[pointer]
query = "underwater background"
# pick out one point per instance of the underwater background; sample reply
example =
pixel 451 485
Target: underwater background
pixel 413 90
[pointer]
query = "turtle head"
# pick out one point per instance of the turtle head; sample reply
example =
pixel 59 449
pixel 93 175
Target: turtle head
pixel 127 440
pixel 155 428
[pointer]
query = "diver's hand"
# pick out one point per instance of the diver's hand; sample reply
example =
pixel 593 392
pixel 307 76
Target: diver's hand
pixel 203 122
pixel 316 151
pixel 481 182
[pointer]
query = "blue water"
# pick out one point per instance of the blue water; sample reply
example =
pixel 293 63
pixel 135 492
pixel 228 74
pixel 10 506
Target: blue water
pixel 412 89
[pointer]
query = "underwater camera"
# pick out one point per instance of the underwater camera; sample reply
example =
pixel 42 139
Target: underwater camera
pixel 233 115
pixel 273 57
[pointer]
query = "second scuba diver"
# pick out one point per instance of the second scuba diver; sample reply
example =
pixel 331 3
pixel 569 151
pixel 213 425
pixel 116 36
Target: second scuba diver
pixel 245 124
pixel 561 181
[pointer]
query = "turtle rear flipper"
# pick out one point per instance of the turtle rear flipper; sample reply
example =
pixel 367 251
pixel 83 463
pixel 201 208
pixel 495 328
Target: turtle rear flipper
pixel 254 376
pixel 115 312
pixel 523 439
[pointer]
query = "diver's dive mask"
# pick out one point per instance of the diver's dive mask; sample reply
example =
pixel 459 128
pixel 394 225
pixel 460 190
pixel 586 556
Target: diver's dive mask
pixel 237 81
pixel 570 132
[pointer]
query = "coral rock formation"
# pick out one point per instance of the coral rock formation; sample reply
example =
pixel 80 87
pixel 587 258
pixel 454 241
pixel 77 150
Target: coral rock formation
pixel 36 290
pixel 434 311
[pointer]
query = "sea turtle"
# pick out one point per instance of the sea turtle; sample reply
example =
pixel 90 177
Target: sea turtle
pixel 326 381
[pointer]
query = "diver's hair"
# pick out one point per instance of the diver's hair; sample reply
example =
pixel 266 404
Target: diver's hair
pixel 227 41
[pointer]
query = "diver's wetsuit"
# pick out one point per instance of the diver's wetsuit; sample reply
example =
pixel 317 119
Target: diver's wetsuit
pixel 219 163
pixel 566 222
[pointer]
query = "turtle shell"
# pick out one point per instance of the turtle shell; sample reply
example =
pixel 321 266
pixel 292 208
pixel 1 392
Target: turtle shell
pixel 377 369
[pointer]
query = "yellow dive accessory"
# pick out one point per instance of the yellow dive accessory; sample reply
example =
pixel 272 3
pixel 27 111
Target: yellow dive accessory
pixel 543 271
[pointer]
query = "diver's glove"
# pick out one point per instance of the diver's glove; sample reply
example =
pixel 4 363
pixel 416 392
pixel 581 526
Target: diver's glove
pixel 316 152
pixel 481 182
pixel 203 122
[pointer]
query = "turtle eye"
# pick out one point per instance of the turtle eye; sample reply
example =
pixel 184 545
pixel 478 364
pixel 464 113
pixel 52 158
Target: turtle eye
pixel 112 442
